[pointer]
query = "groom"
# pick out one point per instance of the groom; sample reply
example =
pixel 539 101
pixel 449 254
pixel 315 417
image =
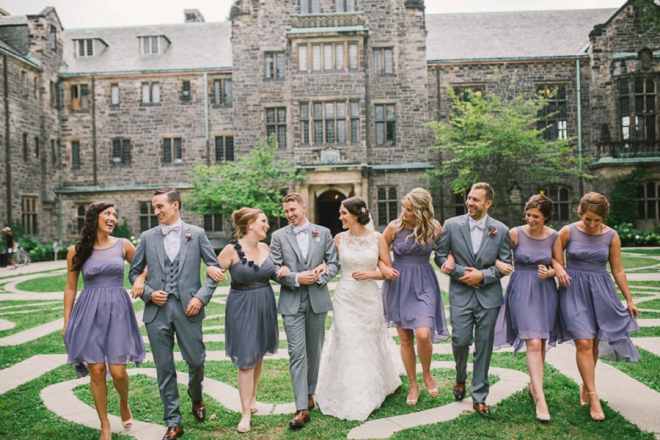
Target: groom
pixel 304 297
pixel 174 302
pixel 475 293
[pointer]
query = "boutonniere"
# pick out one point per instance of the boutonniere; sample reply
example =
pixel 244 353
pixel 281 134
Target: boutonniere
pixel 492 230
pixel 316 236
pixel 188 237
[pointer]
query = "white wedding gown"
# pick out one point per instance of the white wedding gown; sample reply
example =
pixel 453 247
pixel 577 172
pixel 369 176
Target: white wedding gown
pixel 360 362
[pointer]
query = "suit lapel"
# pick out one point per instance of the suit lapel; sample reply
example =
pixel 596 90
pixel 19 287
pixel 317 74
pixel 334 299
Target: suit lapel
pixel 485 239
pixel 465 230
pixel 311 243
pixel 160 246
pixel 183 248
pixel 291 237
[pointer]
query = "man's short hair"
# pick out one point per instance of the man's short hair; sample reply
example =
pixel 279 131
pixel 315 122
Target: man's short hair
pixel 490 194
pixel 294 197
pixel 173 195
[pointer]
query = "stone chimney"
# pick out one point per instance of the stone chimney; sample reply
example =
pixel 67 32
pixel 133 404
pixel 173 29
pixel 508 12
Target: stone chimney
pixel 193 16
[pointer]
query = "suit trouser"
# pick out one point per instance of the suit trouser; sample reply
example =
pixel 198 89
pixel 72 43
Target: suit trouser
pixel 169 320
pixel 305 332
pixel 464 320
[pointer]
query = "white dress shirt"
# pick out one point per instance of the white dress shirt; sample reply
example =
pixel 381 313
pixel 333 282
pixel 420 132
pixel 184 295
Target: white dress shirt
pixel 477 229
pixel 172 241
pixel 302 238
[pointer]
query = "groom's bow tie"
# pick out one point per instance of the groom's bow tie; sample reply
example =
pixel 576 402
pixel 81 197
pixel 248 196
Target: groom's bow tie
pixel 174 228
pixel 298 229
pixel 478 225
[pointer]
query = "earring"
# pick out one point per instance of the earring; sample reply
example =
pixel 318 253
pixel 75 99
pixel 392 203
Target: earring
pixel 251 226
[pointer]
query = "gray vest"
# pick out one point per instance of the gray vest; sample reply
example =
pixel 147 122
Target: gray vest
pixel 172 276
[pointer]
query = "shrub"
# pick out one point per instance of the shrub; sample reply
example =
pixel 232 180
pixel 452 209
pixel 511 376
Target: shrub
pixel 631 237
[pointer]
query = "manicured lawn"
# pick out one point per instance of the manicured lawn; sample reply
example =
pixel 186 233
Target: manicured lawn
pixel 634 262
pixel 647 332
pixel 645 251
pixel 653 304
pixel 644 370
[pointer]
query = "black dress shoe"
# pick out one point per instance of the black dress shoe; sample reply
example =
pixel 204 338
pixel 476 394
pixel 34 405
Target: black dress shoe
pixel 173 432
pixel 299 419
pixel 459 391
pixel 198 408
pixel 310 402
pixel 481 408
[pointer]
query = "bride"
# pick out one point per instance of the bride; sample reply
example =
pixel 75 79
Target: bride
pixel 360 363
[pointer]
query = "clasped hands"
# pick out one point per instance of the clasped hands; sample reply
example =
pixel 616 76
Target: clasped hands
pixel 159 297
pixel 307 277
pixel 472 277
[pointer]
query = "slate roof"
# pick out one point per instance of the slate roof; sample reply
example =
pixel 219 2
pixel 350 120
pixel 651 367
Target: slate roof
pixel 13 20
pixel 511 35
pixel 193 46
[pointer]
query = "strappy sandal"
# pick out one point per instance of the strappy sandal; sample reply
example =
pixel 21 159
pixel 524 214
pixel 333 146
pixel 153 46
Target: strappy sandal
pixel 433 392
pixel 253 406
pixel 244 425
pixel 128 424
pixel 596 417
pixel 412 402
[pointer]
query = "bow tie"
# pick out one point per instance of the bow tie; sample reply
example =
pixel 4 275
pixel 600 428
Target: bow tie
pixel 298 229
pixel 478 225
pixel 175 228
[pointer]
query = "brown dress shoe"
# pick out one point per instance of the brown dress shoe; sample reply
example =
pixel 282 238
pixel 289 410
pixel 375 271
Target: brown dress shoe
pixel 459 390
pixel 299 419
pixel 481 408
pixel 173 432
pixel 198 408
pixel 310 402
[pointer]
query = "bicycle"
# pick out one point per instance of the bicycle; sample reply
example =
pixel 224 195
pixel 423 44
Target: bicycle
pixel 21 257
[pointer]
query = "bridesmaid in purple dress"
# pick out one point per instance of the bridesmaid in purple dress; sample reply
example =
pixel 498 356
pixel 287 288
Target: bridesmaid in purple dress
pixel 529 315
pixel 412 301
pixel 590 308
pixel 101 328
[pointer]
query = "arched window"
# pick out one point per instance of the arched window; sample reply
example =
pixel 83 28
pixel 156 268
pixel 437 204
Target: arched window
pixel 561 197
pixel 648 195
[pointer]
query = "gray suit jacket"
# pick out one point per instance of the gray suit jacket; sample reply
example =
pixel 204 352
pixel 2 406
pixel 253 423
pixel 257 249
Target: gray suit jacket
pixel 151 252
pixel 455 238
pixel 284 251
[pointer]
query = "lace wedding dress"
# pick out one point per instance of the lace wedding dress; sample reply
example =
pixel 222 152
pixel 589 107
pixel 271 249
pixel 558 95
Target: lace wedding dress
pixel 360 363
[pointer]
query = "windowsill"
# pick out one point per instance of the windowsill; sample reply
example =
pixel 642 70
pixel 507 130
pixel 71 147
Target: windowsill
pixel 274 79
pixel 148 104
pixel 80 111
pixel 113 106
pixel 186 102
pixel 385 75
pixel 329 72
pixel 221 106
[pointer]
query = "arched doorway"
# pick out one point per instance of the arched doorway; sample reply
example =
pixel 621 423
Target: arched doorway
pixel 327 210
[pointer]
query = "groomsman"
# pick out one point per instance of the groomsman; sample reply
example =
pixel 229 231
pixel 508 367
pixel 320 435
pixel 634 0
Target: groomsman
pixel 475 292
pixel 174 302
pixel 304 297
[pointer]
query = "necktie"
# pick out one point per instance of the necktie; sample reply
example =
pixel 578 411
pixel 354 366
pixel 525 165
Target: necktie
pixel 478 225
pixel 174 228
pixel 298 229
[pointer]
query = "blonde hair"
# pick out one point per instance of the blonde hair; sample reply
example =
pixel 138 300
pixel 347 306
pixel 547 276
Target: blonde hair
pixel 294 197
pixel 241 218
pixel 422 207
pixel 596 203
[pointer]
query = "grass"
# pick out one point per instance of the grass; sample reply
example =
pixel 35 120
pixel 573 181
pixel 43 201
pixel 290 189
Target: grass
pixel 645 251
pixel 644 370
pixel 629 262
pixel 653 304
pixel 646 332
pixel 655 284
pixel 25 321
pixel 648 315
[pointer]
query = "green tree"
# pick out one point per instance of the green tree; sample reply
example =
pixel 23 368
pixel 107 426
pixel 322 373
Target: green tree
pixel 651 15
pixel 622 195
pixel 255 180
pixel 495 139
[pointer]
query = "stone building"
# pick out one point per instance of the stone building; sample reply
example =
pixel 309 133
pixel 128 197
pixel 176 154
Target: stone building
pixel 344 85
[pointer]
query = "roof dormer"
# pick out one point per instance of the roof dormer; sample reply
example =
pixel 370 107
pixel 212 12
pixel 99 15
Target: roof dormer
pixel 153 44
pixel 88 47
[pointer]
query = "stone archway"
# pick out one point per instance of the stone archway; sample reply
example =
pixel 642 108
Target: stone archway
pixel 327 210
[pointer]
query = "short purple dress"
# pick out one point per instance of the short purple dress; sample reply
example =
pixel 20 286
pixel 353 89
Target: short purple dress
pixel 590 307
pixel 413 300
pixel 530 309
pixel 102 327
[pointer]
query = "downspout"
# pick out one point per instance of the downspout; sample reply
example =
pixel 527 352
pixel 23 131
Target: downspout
pixel 437 86
pixel 7 140
pixel 59 219
pixel 579 121
pixel 94 132
pixel 206 118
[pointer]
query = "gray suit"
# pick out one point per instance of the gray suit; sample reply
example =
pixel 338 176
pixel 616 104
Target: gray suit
pixel 162 322
pixel 474 309
pixel 304 308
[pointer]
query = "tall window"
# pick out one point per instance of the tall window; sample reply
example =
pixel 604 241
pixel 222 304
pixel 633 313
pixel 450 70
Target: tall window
pixel 553 116
pixel 352 56
pixel 26 151
pixel 345 5
pixel 80 217
pixel 147 218
pixel 274 65
pixel 36 147
pixel 24 84
pixel 355 122
pixel 75 155
pixel 222 93
pixel 638 119
pixel 121 152
pixel 309 6
pixel 648 195
pixel 53 37
pixel 79 97
pixel 150 93
pixel 53 94
pixel 276 124
pixel 560 196
pixel 459 203
pixel 304 123
pixel 387 205
pixel 213 223
pixel 224 149
pixel 35 83
pixel 149 45
pixel 385 125
pixel 53 152
pixel 84 48
pixel 383 61
pixel 331 122
pixel 327 57
pixel 114 94
pixel 172 150
pixel 29 216
pixel 185 91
